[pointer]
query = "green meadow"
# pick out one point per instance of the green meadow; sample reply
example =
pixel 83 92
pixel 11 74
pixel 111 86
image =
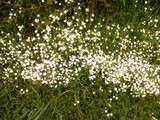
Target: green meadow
pixel 79 60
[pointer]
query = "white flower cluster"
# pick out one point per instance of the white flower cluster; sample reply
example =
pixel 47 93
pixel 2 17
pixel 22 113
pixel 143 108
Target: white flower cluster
pixel 57 54
pixel 69 1
pixel 134 73
pixel 39 71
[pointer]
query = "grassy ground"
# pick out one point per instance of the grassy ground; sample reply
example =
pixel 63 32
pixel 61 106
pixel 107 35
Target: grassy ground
pixel 73 62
